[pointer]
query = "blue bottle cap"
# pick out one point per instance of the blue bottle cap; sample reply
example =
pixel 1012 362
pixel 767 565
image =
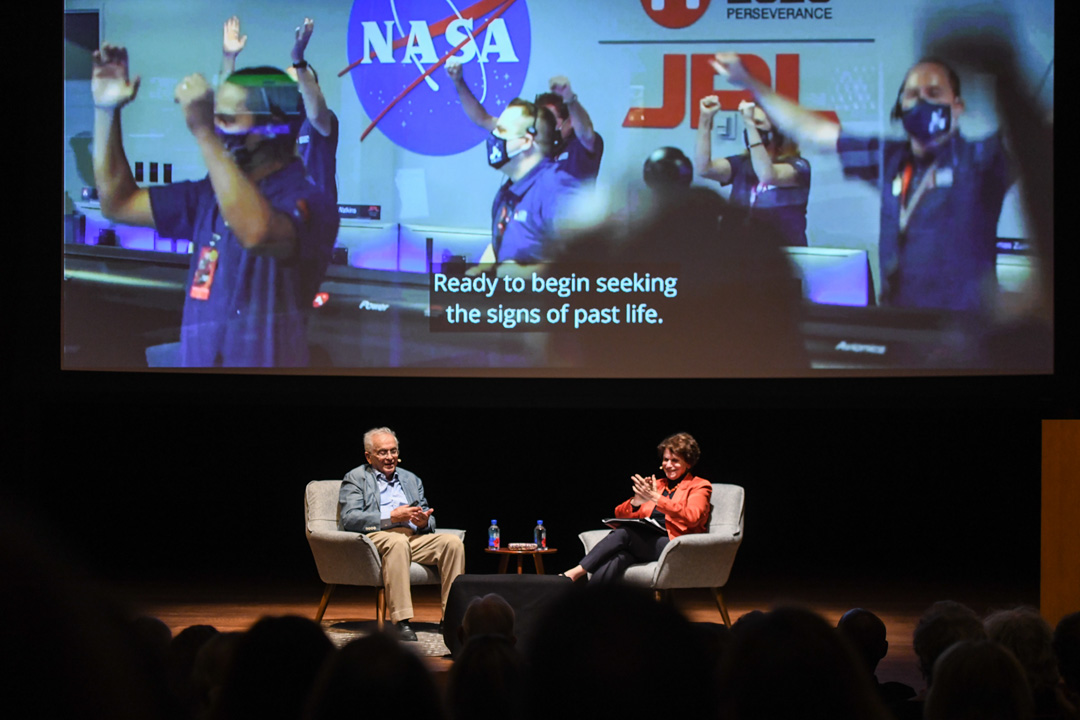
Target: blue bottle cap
pixel 492 522
pixel 539 522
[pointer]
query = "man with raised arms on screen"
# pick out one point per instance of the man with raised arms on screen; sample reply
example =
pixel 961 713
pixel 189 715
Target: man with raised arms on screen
pixel 261 231
pixel 388 504
pixel 533 198
pixel 941 194
pixel 317 139
pixel 577 147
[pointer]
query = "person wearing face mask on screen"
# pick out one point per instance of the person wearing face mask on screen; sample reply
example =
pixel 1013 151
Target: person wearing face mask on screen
pixel 529 204
pixel 770 178
pixel 941 194
pixel 317 138
pixel 261 231
pixel 576 146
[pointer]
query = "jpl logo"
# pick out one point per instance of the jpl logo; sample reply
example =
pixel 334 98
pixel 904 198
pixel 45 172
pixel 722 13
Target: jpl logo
pixel 397 51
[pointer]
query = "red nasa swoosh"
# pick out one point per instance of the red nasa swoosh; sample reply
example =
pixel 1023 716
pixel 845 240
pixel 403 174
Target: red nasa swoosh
pixel 440 28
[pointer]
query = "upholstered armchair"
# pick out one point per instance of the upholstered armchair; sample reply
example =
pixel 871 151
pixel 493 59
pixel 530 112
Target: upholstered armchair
pixel 698 560
pixel 349 558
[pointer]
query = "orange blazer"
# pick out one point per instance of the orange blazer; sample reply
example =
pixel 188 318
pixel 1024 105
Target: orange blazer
pixel 686 511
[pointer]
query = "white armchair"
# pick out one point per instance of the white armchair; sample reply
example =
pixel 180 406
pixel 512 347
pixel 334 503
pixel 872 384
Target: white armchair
pixel 350 558
pixel 697 560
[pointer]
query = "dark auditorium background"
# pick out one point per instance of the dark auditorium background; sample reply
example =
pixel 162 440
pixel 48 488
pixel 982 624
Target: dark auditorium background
pixel 200 477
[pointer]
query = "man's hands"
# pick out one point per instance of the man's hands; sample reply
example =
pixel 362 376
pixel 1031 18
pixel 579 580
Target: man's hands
pixel 197 101
pixel 411 514
pixel 454 69
pixel 109 82
pixel 645 489
pixel 560 85
pixel 233 42
pixel 730 67
pixel 709 106
pixel 303 35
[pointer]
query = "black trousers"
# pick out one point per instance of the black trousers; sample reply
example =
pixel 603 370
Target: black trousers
pixel 623 547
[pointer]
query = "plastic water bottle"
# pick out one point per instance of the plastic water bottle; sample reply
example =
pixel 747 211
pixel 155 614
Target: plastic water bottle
pixel 493 536
pixel 540 535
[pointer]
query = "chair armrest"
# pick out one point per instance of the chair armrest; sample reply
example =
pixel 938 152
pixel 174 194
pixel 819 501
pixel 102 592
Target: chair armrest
pixel 345 558
pixel 589 538
pixel 698 560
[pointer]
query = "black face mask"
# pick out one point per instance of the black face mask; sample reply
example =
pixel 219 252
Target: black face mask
pixel 925 121
pixel 765 135
pixel 497 155
pixel 236 145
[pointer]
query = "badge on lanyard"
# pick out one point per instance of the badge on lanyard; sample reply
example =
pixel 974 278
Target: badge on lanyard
pixel 204 271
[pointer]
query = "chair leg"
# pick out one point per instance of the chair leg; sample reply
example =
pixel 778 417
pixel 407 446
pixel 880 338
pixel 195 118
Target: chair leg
pixel 380 607
pixel 324 602
pixel 723 608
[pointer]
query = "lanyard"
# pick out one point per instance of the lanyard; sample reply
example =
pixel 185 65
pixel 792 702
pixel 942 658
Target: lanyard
pixel 907 207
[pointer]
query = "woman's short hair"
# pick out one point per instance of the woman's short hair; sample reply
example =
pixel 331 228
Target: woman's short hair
pixel 682 444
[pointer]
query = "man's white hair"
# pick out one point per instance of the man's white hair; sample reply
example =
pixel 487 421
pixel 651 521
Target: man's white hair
pixel 368 444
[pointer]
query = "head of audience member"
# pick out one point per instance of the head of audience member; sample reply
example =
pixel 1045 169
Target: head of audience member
pixel 1067 650
pixel 257 115
pixel 488 615
pixel 730 300
pixel 789 663
pixel 273 668
pixel 71 649
pixel 617 637
pixel 866 633
pixel 1024 633
pixel 524 135
pixel 209 671
pixel 978 680
pixel 381 450
pixel 372 677
pixel 488 680
pixel 564 124
pixel 180 666
pixel 928 102
pixel 944 623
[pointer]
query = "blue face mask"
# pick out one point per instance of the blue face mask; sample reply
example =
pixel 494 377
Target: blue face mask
pixel 925 121
pixel 497 154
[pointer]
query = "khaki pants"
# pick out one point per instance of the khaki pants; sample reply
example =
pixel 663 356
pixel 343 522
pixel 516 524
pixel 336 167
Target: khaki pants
pixel 398 548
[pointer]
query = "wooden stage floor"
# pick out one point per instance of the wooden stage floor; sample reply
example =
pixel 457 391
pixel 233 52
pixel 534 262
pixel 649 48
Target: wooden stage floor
pixel 236 606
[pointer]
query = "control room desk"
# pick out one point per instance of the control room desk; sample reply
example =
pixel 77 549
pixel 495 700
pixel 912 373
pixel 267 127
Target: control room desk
pixel 505 553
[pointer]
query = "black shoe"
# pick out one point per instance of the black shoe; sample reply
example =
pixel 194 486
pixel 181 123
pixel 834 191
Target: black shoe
pixel 405 631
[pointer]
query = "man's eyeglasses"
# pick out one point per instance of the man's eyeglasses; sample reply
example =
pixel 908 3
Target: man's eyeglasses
pixel 385 453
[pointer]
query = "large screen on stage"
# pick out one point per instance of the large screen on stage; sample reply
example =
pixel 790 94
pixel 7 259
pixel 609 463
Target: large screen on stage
pixel 556 188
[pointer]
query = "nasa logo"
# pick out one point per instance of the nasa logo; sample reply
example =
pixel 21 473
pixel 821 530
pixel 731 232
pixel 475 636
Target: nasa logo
pixel 395 44
pixel 675 14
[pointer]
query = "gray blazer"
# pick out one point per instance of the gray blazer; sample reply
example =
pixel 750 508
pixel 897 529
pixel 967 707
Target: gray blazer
pixel 359 499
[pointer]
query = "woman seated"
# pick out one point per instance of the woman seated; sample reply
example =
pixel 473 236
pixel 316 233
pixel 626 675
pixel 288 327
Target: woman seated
pixel 678 502
pixel 770 177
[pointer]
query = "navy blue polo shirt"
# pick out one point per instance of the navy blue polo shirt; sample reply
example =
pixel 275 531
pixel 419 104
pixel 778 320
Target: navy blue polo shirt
pixel 576 160
pixel 947 257
pixel 255 313
pixel 783 207
pixel 524 213
pixel 319 154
